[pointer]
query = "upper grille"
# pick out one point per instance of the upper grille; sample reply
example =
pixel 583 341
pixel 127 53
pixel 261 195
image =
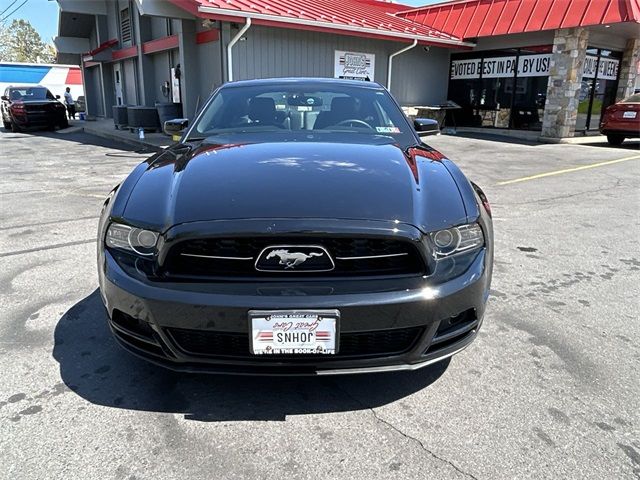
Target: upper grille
pixel 236 257
pixel 351 344
pixel 39 107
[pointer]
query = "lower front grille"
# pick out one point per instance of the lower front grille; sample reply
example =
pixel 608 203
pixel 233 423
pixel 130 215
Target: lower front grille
pixel 351 344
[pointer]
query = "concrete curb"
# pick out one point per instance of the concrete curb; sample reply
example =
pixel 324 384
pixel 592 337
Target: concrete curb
pixel 134 142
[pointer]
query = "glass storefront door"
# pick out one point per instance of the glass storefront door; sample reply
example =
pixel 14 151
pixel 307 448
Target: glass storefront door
pixel 598 88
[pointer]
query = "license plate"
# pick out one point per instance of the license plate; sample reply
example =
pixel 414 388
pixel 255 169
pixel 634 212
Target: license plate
pixel 294 332
pixel 629 114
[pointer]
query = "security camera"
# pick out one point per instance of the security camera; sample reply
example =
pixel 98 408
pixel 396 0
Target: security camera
pixel 208 23
pixel 427 48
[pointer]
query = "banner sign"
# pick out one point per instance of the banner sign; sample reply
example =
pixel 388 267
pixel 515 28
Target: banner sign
pixel 534 65
pixel 607 69
pixel 354 65
pixel 501 67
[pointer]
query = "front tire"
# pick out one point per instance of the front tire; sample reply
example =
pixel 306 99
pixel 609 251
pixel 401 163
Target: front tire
pixel 615 140
pixel 15 128
pixel 7 125
pixel 64 124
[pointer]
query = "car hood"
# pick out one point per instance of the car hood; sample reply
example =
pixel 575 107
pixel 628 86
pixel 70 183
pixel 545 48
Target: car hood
pixel 293 180
pixel 37 102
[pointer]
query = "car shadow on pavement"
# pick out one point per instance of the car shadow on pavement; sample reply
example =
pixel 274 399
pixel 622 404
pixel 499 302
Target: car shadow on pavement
pixel 96 368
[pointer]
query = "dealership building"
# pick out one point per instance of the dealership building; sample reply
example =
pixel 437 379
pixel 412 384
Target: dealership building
pixel 548 66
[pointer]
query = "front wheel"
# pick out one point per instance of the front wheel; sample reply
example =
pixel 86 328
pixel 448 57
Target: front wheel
pixel 615 140
pixel 64 124
pixel 14 127
pixel 7 125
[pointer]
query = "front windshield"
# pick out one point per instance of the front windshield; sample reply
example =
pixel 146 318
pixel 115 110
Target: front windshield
pixel 30 93
pixel 281 112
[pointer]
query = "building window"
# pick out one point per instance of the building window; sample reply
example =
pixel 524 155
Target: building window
pixel 501 89
pixel 125 27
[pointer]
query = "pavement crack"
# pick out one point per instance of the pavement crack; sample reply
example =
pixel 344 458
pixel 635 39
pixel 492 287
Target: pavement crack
pixel 421 444
pixel 415 440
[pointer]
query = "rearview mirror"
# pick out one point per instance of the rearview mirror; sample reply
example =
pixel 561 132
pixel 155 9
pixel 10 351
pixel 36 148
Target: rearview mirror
pixel 426 126
pixel 5 98
pixel 175 127
pixel 57 97
pixel 298 100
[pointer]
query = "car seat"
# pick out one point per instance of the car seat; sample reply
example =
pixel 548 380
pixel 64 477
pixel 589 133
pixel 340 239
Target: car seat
pixel 342 108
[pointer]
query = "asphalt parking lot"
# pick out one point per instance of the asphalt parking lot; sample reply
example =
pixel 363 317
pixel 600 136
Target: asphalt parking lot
pixel 550 389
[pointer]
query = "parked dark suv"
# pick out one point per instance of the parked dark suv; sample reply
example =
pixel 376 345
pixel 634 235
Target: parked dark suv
pixel 32 106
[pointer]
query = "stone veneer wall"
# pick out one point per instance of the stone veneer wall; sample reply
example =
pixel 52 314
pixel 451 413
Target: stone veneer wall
pixel 565 76
pixel 629 69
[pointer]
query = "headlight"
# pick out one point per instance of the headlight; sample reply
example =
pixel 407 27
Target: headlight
pixel 457 239
pixel 137 240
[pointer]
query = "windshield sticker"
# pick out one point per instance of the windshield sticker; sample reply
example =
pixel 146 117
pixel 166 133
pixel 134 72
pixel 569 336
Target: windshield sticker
pixel 387 129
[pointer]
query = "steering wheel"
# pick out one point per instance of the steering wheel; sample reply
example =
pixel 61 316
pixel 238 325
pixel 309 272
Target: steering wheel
pixel 351 121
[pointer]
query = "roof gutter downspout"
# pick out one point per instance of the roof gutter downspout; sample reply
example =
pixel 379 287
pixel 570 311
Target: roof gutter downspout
pixel 233 41
pixel 390 64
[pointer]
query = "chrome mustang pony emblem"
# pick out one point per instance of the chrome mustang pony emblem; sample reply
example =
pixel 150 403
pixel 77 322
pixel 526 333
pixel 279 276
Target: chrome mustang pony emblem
pixel 292 259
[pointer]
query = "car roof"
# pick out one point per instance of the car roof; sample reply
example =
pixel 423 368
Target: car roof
pixel 303 80
pixel 24 87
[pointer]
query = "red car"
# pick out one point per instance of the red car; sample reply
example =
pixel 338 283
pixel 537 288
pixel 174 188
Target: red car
pixel 622 120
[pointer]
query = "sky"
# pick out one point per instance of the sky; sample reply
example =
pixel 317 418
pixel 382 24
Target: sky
pixel 43 14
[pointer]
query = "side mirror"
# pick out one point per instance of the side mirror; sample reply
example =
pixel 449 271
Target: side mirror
pixel 57 97
pixel 426 127
pixel 5 98
pixel 175 127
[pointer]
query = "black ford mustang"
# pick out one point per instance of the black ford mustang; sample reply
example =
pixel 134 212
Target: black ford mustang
pixel 299 226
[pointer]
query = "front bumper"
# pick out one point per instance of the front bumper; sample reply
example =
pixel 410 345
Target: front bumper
pixel 39 119
pixel 442 318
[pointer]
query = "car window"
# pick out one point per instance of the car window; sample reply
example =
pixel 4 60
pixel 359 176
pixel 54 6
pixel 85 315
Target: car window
pixel 31 93
pixel 632 99
pixel 294 108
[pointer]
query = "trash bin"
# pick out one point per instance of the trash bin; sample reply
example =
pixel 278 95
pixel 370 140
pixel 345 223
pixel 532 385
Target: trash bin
pixel 168 111
pixel 142 117
pixel 120 117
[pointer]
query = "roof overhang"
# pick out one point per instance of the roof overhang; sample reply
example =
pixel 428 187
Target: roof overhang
pixel 162 8
pixel 89 7
pixel 75 45
pixel 72 24
pixel 402 30
pixel 470 19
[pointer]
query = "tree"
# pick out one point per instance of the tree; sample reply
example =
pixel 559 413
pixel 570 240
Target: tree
pixel 20 42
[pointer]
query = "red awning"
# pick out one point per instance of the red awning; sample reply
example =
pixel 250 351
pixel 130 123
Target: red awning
pixel 483 18
pixel 367 18
pixel 103 46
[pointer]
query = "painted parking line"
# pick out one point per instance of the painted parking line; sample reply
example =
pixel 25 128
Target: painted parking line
pixel 568 170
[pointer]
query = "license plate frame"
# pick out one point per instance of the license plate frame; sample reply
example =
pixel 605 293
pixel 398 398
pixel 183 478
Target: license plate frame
pixel 262 335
